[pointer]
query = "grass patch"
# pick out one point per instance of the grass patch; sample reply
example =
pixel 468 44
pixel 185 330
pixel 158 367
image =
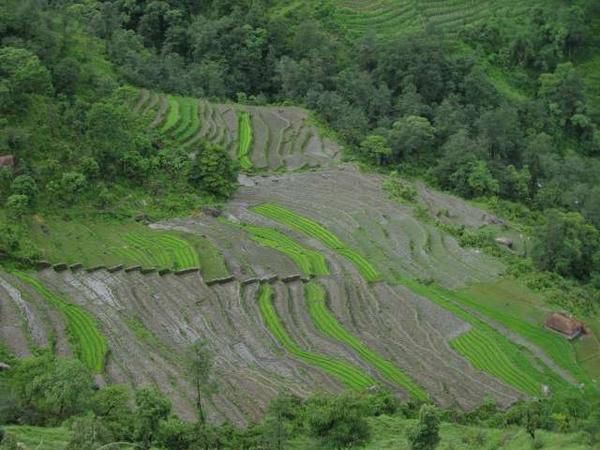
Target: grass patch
pixel 245 136
pixel 317 231
pixel 90 345
pixel 40 438
pixel 328 325
pixel 349 375
pixel 310 262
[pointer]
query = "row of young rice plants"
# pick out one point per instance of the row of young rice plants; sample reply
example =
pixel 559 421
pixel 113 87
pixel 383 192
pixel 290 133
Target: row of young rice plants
pixel 317 231
pixel 489 350
pixel 328 325
pixel 173 115
pixel 190 122
pixel 310 262
pixel 89 343
pixel 349 375
pixel 164 251
pixel 245 138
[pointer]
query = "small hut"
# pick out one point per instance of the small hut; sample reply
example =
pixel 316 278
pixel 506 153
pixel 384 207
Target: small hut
pixel 7 161
pixel 565 325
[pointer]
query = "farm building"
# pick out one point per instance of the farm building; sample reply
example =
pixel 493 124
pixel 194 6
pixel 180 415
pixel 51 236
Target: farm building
pixel 565 325
pixel 7 161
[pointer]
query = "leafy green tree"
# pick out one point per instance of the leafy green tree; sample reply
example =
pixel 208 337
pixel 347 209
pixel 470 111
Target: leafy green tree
pixel 425 434
pixel 376 148
pixel 25 185
pixel 151 408
pixel 51 389
pixel 412 138
pixel 175 434
pixel 21 73
pixel 481 180
pixel 88 432
pixel 200 362
pixel 337 423
pixel 111 404
pixel 17 206
pixel 214 172
pixel 568 245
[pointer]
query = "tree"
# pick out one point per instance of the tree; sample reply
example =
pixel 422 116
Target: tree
pixel 337 423
pixel 568 245
pixel 17 206
pixel 412 137
pixel 376 148
pixel 51 389
pixel 88 432
pixel 24 185
pixel 480 180
pixel 213 171
pixel 111 404
pixel 151 408
pixel 425 434
pixel 21 73
pixel 200 362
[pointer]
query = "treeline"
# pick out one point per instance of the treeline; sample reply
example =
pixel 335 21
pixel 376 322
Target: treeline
pixel 45 390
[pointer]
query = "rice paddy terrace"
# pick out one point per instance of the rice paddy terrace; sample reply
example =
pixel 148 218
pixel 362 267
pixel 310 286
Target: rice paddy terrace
pixel 260 138
pixel 390 18
pixel 347 292
pixel 309 280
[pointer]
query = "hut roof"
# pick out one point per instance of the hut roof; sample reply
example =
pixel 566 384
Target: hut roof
pixel 7 161
pixel 565 325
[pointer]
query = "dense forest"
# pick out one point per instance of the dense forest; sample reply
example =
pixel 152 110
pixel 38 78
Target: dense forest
pixel 499 113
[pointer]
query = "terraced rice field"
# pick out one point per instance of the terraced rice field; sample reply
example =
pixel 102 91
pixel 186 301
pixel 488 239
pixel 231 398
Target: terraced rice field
pixel 88 341
pixel 130 244
pixel 310 262
pixel 260 138
pixel 393 18
pixel 328 324
pixel 351 376
pixel 313 229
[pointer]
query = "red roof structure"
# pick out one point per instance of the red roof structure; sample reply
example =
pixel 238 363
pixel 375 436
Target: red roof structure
pixel 565 325
pixel 7 161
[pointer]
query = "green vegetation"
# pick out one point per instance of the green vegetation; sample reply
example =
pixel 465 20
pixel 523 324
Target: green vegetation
pixel 310 262
pixel 317 231
pixel 89 343
pixel 105 243
pixel 40 438
pixel 523 312
pixel 327 324
pixel 349 375
pixel 490 351
pixel 174 116
pixel 189 124
pixel 245 138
